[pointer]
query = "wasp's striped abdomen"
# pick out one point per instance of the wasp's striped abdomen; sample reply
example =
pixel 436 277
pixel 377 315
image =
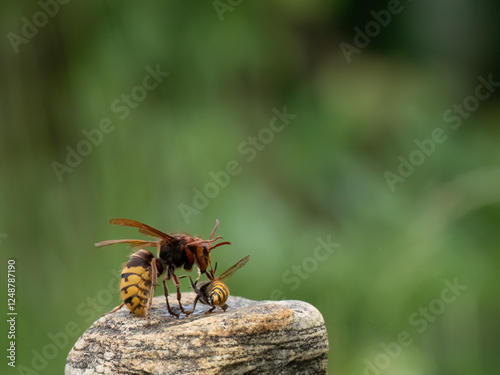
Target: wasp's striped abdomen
pixel 219 293
pixel 135 284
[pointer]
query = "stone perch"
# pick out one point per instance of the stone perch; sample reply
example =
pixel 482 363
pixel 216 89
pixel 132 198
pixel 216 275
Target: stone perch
pixel 250 337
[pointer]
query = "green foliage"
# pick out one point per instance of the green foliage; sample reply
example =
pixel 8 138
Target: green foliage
pixel 406 218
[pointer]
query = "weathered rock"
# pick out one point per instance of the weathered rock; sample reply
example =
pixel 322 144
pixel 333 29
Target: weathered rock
pixel 250 337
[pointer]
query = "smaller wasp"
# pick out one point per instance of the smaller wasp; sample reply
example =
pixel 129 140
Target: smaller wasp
pixel 214 292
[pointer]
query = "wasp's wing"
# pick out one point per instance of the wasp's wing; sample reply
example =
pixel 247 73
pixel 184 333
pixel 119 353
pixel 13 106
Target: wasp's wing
pixel 233 269
pixel 134 243
pixel 143 228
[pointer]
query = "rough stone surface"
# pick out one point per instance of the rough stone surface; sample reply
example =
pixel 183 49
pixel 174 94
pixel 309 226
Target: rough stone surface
pixel 250 337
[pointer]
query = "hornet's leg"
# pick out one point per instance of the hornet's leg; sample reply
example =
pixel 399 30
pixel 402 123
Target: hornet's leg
pixel 212 271
pixel 209 311
pixel 154 282
pixel 194 307
pixel 199 275
pixel 115 309
pixel 193 285
pixel 178 286
pixel 166 299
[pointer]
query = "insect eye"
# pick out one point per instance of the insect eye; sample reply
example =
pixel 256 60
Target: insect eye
pixel 206 251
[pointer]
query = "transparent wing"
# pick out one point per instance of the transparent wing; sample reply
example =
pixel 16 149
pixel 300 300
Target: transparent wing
pixel 233 269
pixel 134 243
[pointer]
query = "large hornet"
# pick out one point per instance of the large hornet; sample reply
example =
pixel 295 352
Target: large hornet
pixel 140 274
pixel 214 292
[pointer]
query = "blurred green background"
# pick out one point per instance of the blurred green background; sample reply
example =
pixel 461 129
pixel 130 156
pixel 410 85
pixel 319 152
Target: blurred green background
pixel 331 172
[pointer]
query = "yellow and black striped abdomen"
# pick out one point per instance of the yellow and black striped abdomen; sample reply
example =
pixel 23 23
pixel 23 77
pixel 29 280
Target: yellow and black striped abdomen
pixel 219 292
pixel 135 283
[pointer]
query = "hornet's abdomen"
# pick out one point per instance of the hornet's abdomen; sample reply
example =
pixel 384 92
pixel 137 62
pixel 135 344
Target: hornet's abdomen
pixel 219 293
pixel 135 284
